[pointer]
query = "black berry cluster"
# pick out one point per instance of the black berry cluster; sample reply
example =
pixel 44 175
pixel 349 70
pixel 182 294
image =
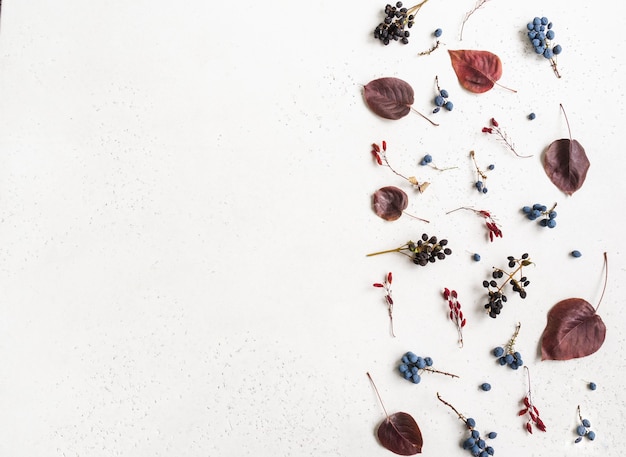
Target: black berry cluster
pixel 428 250
pixel 495 292
pixel 393 28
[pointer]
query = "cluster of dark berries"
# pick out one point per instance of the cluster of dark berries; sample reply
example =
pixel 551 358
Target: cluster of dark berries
pixel 496 297
pixel 584 429
pixel 475 444
pixel 541 36
pixel 441 101
pixel 412 365
pixel 428 250
pixel 393 26
pixel 512 359
pixel 507 355
pixel 547 217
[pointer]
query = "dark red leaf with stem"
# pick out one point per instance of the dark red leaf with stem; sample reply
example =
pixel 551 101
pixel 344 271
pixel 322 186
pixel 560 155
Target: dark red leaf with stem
pixel 574 329
pixel 398 432
pixel 391 98
pixel 390 202
pixel 477 71
pixel 566 163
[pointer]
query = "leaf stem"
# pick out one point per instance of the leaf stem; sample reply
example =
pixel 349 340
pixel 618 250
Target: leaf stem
pixel 606 279
pixel 429 120
pixel 566 121
pixel 377 394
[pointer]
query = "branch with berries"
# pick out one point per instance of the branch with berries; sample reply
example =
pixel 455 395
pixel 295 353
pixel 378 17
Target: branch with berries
pixel 530 410
pixel 379 152
pixel 495 291
pixel 456 315
pixel 492 228
pixel 386 285
pixel 495 129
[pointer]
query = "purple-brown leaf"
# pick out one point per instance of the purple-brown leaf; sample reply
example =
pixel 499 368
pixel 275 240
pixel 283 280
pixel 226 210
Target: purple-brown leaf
pixel 566 164
pixel 477 71
pixel 389 202
pixel 573 330
pixel 389 97
pixel 400 434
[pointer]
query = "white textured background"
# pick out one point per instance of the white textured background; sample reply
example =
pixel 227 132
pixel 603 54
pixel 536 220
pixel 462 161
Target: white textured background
pixel 185 212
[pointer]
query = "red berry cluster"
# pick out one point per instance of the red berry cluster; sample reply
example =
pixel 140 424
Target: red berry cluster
pixel 456 315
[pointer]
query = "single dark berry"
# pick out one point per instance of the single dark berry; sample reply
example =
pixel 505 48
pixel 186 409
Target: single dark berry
pixel 575 253
pixel 485 386
pixel 532 116
pixel 438 33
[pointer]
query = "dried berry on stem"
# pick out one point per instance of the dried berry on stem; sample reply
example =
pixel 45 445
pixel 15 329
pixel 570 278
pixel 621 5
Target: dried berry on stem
pixel 495 129
pixel 530 409
pixel 397 18
pixel 492 228
pixel 386 285
pixel 380 155
pixel 455 313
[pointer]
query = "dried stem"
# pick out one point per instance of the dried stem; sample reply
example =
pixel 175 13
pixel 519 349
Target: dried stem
pixel 432 370
pixel 377 394
pixel 461 416
pixel 511 344
pixel 468 14
pixel 429 51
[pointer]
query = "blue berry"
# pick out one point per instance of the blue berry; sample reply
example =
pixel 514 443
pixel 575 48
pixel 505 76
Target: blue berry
pixel 475 435
pixel 436 110
pixel 407 374
pixel 429 361
pixel 543 222
pixel 470 422
pixel 412 357
pixel 444 93
pixel 537 21
pixel 491 435
pixel 416 378
pixel 403 367
pixel 551 223
pixel 532 116
pixel 428 158
pixel 479 185
pixel 439 101
pixel 581 430
pixel 483 454
pixel 489 450
pixel 552 214
pixel 421 363
pixel 502 361
pixel 491 167
pixel 475 450
pixel 557 49
pixel 526 209
pixel 449 105
pixel 498 351
pixel 509 358
pixel 438 33
pixel 536 42
pixel 586 423
pixel 592 386
pixel 485 386
pixel 485 190
pixel 481 444
pixel 591 435
pixel 532 34
pixel 548 53
pixel 530 26
pixel 468 443
pixel 405 358
pixel 539 49
pixel 550 34
pixel 476 257
pixel 544 20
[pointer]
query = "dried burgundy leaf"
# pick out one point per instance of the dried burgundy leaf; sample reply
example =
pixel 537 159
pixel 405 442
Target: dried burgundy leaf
pixel 389 202
pixel 573 330
pixel 400 434
pixel 477 71
pixel 566 164
pixel 389 97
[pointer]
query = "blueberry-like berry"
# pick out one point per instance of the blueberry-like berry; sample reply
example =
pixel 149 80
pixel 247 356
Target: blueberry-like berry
pixel 499 351
pixel 581 430
pixel 485 386
pixel 470 422
pixel 476 257
pixel 592 386
pixel 444 93
pixel 586 423
pixel 576 253
pixel 449 105
pixel 411 366
pixel 532 116
pixel 438 33
pixel 591 435
pixel 491 435
pixel 491 167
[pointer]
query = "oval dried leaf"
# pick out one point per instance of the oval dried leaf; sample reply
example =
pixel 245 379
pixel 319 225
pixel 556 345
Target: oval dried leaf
pixel 566 164
pixel 400 434
pixel 477 71
pixel 389 97
pixel 389 202
pixel 573 330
